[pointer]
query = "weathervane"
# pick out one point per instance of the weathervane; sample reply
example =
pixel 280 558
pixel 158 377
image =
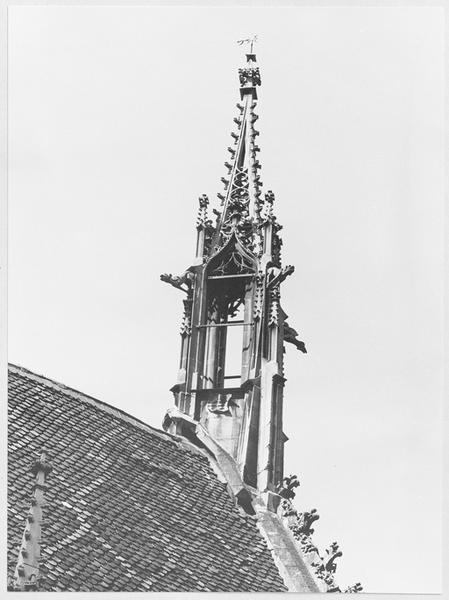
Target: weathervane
pixel 251 41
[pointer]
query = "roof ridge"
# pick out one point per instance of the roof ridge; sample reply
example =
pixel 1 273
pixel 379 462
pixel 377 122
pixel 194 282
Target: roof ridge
pixel 76 394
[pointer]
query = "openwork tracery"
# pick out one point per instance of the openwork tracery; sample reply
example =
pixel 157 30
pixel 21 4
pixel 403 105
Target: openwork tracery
pixel 233 263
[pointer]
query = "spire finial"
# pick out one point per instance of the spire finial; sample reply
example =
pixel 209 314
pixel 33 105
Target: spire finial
pixel 249 75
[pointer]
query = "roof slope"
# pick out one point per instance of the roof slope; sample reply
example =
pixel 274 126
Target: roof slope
pixel 128 507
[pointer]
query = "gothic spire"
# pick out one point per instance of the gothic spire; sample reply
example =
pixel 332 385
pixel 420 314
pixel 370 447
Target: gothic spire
pixel 241 199
pixel 233 324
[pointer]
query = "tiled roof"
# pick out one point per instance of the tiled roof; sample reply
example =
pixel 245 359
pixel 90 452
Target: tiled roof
pixel 128 507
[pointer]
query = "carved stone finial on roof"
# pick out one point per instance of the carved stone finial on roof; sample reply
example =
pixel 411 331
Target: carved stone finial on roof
pixel 26 574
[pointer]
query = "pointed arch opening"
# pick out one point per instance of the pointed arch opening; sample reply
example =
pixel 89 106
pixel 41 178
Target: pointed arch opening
pixel 228 315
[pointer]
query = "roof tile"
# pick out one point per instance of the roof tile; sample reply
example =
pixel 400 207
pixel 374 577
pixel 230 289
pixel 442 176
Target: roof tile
pixel 145 511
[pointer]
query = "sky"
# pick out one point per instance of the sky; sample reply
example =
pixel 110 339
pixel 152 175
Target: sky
pixel 119 118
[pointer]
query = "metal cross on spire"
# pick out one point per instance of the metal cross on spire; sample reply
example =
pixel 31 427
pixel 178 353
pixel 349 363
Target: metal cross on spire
pixel 250 41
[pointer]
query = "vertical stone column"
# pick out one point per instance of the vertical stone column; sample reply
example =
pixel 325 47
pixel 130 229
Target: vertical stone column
pixel 248 332
pixel 186 332
pixel 210 365
pixel 202 222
